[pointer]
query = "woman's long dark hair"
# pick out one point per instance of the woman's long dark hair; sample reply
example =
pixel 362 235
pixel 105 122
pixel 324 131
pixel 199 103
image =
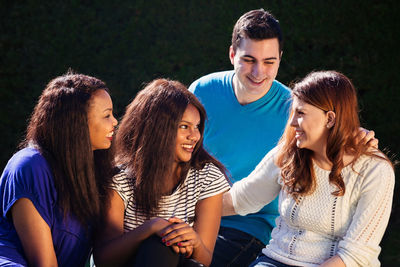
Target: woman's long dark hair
pixel 145 141
pixel 58 128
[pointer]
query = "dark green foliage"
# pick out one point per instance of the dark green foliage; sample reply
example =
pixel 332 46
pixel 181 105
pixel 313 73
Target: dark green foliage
pixel 128 43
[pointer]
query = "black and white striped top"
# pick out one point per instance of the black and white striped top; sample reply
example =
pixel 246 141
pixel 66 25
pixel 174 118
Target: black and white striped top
pixel 198 185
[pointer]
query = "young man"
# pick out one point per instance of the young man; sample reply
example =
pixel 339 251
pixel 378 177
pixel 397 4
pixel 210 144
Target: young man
pixel 247 111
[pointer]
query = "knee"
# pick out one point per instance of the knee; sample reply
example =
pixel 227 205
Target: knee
pixel 152 252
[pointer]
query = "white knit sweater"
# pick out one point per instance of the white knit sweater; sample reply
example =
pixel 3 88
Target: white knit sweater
pixel 322 225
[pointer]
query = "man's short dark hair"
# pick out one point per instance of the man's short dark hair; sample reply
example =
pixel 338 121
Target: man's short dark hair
pixel 256 25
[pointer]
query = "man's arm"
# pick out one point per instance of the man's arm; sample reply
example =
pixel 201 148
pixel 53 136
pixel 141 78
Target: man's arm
pixel 227 205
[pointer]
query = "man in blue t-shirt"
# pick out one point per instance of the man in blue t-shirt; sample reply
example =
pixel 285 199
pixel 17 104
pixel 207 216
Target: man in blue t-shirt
pixel 247 111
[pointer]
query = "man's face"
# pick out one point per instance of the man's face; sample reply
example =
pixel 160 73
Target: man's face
pixel 256 64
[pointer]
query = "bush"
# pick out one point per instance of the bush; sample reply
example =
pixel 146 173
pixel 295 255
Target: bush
pixel 129 43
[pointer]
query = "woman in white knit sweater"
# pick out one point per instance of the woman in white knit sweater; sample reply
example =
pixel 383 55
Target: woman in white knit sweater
pixel 335 194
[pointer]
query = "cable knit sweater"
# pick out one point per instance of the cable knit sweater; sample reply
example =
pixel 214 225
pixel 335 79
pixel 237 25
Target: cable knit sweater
pixel 322 225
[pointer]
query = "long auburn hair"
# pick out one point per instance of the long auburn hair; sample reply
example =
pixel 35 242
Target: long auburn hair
pixel 58 128
pixel 146 138
pixel 328 91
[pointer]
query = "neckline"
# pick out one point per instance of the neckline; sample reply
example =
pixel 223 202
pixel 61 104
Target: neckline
pixel 179 186
pixel 265 98
pixel 345 168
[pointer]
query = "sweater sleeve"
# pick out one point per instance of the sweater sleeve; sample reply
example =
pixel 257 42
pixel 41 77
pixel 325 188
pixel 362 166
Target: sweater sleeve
pixel 360 245
pixel 252 193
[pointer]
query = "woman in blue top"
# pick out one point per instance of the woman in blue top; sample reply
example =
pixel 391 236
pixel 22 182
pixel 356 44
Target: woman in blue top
pixel 52 190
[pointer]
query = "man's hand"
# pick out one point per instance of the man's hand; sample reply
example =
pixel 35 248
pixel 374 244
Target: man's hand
pixel 367 138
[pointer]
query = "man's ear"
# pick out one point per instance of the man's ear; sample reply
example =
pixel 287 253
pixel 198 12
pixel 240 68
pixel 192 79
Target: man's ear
pixel 231 54
pixel 331 119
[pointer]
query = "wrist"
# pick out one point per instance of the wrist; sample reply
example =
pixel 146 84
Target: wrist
pixel 150 226
pixel 198 244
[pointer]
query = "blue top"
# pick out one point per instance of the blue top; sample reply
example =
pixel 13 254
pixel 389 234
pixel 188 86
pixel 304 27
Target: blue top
pixel 241 135
pixel 28 175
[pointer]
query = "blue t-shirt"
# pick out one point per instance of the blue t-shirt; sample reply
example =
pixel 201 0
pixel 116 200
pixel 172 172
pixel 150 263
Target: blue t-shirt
pixel 28 175
pixel 241 135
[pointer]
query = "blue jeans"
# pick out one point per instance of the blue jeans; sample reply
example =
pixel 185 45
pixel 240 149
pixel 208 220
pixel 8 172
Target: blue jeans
pixel 264 261
pixel 235 248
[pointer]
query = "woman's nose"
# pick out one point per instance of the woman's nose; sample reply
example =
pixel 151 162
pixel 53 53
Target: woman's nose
pixel 293 121
pixel 194 135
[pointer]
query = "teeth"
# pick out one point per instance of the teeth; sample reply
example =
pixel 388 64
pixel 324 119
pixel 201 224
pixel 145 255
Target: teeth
pixel 110 134
pixel 187 146
pixel 299 133
pixel 256 81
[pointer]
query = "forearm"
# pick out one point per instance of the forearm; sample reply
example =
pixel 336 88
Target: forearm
pixel 227 205
pixel 208 220
pixel 202 254
pixel 258 189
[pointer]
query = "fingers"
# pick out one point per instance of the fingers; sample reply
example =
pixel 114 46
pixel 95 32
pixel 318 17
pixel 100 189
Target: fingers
pixel 373 143
pixel 181 235
pixel 189 251
pixel 175 220
pixel 360 134
pixel 185 250
pixel 174 226
pixel 183 247
pixel 175 248
pixel 159 225
pixel 187 243
pixel 365 137
pixel 370 140
pixel 182 250
pixel 369 136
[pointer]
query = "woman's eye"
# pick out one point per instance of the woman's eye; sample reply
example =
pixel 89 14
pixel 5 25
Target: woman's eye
pixel 183 126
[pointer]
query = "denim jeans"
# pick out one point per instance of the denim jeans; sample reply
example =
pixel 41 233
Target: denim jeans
pixel 264 261
pixel 235 248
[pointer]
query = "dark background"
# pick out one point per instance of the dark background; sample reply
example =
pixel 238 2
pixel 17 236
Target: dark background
pixel 129 43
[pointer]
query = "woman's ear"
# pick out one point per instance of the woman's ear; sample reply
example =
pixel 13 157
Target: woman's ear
pixel 331 116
